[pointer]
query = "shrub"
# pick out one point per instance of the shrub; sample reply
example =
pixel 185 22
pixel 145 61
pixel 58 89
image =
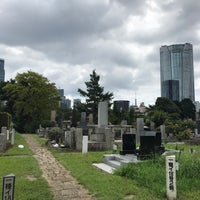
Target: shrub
pixel 55 133
pixel 184 135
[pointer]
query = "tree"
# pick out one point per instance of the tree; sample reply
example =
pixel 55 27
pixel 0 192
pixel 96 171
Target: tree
pixel 94 94
pixel 166 105
pixel 188 109
pixel 158 117
pixel 32 97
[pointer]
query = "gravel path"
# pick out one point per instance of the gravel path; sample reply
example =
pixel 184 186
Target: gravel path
pixel 63 185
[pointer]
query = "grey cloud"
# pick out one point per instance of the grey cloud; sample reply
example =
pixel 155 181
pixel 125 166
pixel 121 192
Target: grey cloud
pixel 66 40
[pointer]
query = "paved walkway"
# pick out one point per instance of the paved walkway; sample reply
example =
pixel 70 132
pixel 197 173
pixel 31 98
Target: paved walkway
pixel 63 185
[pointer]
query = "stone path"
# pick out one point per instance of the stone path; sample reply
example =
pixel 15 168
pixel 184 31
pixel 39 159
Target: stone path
pixel 63 185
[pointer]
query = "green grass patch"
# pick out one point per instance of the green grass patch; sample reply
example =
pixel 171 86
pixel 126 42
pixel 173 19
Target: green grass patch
pixel 151 174
pixel 29 183
pixel 15 150
pixel 103 185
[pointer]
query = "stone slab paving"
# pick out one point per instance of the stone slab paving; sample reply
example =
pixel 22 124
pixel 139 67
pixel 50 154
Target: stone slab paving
pixel 63 185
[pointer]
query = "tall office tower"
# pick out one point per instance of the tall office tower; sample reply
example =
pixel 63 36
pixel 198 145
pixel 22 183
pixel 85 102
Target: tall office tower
pixel 177 72
pixel 2 71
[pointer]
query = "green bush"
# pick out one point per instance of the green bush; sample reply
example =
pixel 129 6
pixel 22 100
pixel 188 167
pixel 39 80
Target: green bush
pixel 184 135
pixel 55 133
pixel 47 123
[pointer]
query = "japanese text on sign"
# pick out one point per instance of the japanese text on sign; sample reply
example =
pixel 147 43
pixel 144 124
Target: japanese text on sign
pixel 8 187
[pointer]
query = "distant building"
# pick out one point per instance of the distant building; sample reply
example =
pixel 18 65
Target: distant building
pixel 2 71
pixel 64 103
pixel 141 109
pixel 177 72
pixel 61 92
pixel 122 105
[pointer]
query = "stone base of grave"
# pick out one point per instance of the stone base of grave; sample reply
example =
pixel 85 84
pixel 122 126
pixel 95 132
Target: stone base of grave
pixel 114 161
pixel 96 146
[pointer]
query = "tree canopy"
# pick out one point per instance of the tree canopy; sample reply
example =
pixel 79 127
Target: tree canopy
pixel 94 94
pixel 31 97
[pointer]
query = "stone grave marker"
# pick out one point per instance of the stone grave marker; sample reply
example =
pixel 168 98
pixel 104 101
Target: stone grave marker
pixel 140 129
pixel 128 144
pixel 103 114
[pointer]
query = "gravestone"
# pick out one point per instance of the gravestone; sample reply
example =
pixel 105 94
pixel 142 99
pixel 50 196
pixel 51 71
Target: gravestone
pixel 140 129
pixel 53 115
pixel 78 138
pixel 128 144
pixel 152 126
pixel 4 130
pixel 2 142
pixel 12 137
pixel 198 126
pixel 103 114
pixel 150 143
pixel 163 133
pixel 109 138
pixel 90 119
pixel 147 145
pixel 83 123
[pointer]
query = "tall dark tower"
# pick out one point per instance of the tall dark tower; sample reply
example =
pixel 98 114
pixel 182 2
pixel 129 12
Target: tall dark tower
pixel 2 71
pixel 177 72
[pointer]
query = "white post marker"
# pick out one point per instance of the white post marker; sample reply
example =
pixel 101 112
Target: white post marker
pixel 8 187
pixel 85 144
pixel 171 177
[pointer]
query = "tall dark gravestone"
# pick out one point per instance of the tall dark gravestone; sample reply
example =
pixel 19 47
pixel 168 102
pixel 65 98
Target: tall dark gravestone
pixel 128 144
pixel 198 126
pixel 147 145
pixel 158 139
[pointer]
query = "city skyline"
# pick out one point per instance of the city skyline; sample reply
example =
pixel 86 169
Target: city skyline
pixel 66 40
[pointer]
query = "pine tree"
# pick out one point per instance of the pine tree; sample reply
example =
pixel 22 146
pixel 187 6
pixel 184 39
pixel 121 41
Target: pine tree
pixel 94 94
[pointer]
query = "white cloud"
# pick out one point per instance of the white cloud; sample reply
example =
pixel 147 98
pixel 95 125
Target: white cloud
pixel 66 40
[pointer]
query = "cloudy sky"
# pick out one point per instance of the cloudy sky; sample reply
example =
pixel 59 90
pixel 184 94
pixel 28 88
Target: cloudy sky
pixel 65 40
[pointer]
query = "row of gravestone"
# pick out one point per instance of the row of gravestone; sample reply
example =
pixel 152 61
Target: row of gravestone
pixel 150 144
pixel 6 135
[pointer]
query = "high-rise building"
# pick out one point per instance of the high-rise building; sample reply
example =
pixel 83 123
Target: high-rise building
pixel 122 105
pixel 177 72
pixel 64 103
pixel 2 71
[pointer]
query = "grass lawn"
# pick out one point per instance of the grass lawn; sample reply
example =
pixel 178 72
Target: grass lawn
pixel 142 181
pixel 29 183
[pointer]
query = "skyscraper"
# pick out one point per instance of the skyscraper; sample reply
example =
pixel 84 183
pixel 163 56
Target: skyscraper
pixel 177 72
pixel 2 71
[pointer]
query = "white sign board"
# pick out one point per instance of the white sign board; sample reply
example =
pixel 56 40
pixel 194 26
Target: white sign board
pixel 171 177
pixel 8 187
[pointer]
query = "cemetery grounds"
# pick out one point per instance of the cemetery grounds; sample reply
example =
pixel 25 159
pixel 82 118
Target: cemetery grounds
pixel 135 181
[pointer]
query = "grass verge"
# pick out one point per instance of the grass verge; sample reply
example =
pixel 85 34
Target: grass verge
pixel 29 183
